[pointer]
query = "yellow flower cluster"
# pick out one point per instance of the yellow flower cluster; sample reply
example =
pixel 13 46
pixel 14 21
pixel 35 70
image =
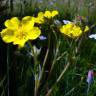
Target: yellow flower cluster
pixel 20 31
pixel 48 14
pixel 72 30
pixel 40 18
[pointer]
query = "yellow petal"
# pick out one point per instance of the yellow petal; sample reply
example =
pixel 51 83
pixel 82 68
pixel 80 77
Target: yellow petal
pixel 7 35
pixel 47 14
pixel 41 14
pixel 34 33
pixel 86 29
pixel 39 20
pixel 54 13
pixel 64 29
pixel 76 31
pixel 12 23
pixel 20 42
pixel 70 26
pixel 27 23
pixel 26 18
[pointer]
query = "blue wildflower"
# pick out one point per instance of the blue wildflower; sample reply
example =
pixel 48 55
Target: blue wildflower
pixel 42 37
pixel 90 76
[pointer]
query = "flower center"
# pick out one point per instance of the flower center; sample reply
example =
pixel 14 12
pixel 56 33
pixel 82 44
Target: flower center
pixel 21 34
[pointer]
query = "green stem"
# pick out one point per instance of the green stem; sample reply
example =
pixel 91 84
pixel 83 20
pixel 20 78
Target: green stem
pixel 2 81
pixel 56 52
pixel 61 56
pixel 59 78
pixel 44 62
pixel 35 74
pixel 69 92
pixel 4 89
pixel 64 70
pixel 37 83
pixel 54 61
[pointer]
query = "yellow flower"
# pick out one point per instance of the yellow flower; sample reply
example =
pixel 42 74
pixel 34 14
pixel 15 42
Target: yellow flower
pixel 49 14
pixel 72 30
pixel 40 18
pixel 54 13
pixel 20 31
pixel 66 29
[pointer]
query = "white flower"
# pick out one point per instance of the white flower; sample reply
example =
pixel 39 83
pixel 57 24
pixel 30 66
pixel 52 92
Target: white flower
pixel 66 21
pixel 92 36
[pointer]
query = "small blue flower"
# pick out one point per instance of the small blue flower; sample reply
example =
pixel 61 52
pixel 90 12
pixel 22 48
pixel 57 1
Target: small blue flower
pixel 42 37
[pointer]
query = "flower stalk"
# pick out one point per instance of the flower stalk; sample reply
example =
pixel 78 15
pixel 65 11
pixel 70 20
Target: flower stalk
pixel 38 83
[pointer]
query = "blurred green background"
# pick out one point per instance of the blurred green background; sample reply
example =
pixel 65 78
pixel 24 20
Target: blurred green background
pixel 20 78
